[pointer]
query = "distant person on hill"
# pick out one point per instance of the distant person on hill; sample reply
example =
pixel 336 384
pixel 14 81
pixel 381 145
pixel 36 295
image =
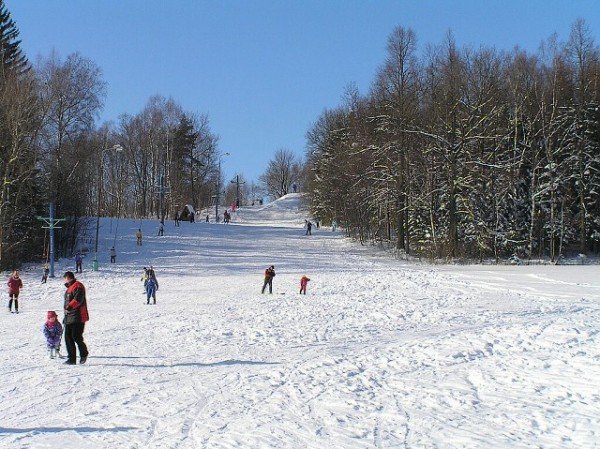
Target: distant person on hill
pixel 333 226
pixel 207 218
pixel 113 255
pixel 15 284
pixel 76 315
pixel 45 274
pixel 308 228
pixel 53 332
pixel 303 283
pixel 177 218
pixel 294 187
pixel 161 230
pixel 317 223
pixel 78 263
pixel 269 275
pixel 138 237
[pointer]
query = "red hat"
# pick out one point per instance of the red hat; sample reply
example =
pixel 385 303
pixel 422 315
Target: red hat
pixel 51 314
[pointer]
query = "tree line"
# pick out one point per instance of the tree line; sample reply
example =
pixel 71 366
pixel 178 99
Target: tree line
pixel 52 149
pixel 461 152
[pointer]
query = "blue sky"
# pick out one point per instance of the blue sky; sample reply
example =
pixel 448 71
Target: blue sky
pixel 264 70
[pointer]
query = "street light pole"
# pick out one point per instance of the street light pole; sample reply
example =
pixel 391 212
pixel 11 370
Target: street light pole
pixel 114 148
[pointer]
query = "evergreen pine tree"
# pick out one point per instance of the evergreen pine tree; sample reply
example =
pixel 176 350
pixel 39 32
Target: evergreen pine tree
pixel 11 56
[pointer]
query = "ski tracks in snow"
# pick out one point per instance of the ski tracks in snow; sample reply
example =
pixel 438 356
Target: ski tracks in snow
pixel 378 354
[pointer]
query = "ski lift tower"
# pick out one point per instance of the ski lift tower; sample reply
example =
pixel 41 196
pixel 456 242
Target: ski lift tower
pixel 51 223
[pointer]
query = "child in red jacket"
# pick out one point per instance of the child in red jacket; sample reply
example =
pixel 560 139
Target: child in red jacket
pixel 303 282
pixel 15 284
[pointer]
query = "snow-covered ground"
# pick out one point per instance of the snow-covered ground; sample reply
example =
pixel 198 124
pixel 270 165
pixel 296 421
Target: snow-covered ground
pixel 378 354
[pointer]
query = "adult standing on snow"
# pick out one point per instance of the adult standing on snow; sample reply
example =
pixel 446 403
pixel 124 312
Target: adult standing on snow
pixel 45 274
pixel 78 263
pixel 269 275
pixel 177 219
pixel 138 237
pixel 113 255
pixel 76 315
pixel 308 228
pixel 15 284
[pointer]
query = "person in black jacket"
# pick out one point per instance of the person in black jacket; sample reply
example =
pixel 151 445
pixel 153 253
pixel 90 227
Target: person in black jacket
pixel 269 275
pixel 76 315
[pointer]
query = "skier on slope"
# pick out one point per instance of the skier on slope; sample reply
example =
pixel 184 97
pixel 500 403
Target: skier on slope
pixel 53 332
pixel 269 275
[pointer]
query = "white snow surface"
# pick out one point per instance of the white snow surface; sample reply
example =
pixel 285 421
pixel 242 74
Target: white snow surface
pixel 378 354
pixel 286 211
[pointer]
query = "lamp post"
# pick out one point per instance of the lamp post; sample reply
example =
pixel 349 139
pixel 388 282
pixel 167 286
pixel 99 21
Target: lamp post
pixel 113 148
pixel 217 199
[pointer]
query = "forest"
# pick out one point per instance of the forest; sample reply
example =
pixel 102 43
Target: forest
pixel 462 153
pixel 454 153
pixel 52 150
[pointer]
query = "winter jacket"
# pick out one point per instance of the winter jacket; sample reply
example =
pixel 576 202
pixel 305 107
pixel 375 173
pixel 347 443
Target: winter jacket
pixel 75 303
pixel 14 285
pixel 53 334
pixel 304 281
pixel 269 273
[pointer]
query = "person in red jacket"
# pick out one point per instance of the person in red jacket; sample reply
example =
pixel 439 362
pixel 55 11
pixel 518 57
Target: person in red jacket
pixel 15 284
pixel 269 275
pixel 303 282
pixel 76 315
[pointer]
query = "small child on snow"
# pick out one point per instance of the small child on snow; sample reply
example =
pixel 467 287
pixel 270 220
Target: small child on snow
pixel 150 284
pixel 53 332
pixel 303 282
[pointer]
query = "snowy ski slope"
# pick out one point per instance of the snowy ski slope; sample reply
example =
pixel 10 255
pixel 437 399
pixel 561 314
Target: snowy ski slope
pixel 378 354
